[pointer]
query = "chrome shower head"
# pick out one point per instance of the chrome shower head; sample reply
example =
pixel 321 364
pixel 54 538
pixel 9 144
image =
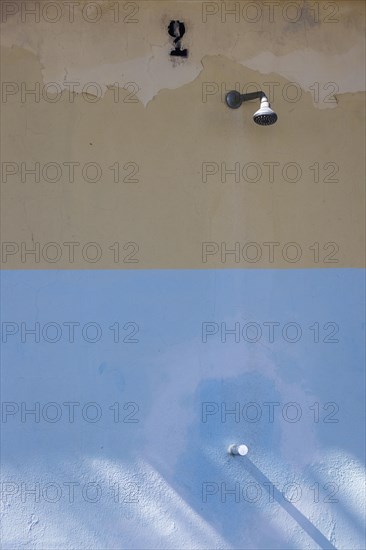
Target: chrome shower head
pixel 265 116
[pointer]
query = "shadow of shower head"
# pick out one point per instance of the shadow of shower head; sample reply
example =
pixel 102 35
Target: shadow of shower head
pixel 264 116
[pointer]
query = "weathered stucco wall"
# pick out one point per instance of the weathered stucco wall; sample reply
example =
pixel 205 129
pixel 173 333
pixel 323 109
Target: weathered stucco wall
pixel 173 112
pixel 130 194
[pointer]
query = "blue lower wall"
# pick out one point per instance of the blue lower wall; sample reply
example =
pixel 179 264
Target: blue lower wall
pixel 142 461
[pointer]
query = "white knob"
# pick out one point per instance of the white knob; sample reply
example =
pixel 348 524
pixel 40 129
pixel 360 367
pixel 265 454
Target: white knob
pixel 240 450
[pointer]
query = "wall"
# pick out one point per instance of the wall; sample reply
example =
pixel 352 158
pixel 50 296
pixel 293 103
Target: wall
pixel 191 279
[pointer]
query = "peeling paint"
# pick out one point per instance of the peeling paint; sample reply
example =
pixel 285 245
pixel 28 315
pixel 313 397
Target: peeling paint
pixel 141 52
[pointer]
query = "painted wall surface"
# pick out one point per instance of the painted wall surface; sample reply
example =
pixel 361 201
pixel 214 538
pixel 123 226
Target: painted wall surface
pixel 177 279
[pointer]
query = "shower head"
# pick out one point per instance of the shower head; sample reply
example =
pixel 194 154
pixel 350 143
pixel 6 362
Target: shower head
pixel 264 116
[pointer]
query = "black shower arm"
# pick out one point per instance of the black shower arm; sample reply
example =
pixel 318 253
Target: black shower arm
pixel 234 98
pixel 252 95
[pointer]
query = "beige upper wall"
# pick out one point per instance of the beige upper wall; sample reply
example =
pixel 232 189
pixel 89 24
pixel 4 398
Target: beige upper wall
pixel 172 133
